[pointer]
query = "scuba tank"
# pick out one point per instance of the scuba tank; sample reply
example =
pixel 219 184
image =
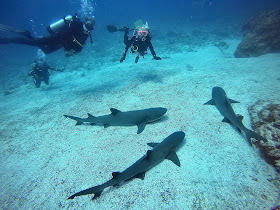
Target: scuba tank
pixel 59 25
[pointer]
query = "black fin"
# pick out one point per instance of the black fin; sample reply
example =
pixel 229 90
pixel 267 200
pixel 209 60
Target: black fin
pixel 210 102
pixel 141 175
pixel 71 197
pixel 114 111
pixel 233 101
pixel 96 195
pixel 92 123
pixel 106 125
pixel 226 120
pixel 148 155
pixel 141 127
pixel 90 116
pixel 174 158
pixel 79 123
pixel 111 28
pixel 115 175
pixel 152 144
pixel 240 117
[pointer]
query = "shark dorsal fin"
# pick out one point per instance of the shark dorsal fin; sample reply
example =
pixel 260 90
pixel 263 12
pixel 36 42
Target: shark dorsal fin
pixel 152 144
pixel 210 102
pixel 115 175
pixel 240 117
pixel 114 111
pixel 174 158
pixel 90 115
pixel 141 175
pixel 233 101
pixel 141 127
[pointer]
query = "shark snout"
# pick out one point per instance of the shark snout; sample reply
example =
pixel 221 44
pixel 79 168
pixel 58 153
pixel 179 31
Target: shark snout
pixel 162 111
pixel 158 113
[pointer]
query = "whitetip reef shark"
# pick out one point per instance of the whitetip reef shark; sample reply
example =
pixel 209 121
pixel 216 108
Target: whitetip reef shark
pixel 118 118
pixel 223 104
pixel 164 150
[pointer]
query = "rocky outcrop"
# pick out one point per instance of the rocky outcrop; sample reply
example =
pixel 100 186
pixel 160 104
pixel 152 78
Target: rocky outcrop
pixel 265 119
pixel 261 35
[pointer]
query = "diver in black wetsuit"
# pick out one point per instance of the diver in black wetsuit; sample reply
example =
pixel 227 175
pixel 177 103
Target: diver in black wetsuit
pixel 139 42
pixel 40 72
pixel 70 33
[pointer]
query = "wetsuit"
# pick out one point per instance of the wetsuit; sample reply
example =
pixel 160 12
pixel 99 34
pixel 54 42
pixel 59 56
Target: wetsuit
pixel 138 45
pixel 73 37
pixel 40 73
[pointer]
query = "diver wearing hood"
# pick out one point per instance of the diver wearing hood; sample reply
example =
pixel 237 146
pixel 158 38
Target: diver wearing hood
pixel 139 42
pixel 70 33
pixel 40 72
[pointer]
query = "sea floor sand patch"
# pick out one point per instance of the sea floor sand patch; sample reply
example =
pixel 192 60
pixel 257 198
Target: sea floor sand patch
pixel 45 158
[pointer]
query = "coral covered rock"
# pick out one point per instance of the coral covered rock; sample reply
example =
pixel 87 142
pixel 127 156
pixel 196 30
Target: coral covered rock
pixel 261 35
pixel 265 119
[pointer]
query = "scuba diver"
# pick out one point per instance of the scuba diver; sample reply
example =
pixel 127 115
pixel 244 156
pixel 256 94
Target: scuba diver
pixel 40 72
pixel 139 42
pixel 70 33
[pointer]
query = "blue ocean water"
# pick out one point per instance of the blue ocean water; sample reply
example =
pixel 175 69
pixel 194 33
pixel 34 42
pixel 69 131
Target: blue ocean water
pixel 184 32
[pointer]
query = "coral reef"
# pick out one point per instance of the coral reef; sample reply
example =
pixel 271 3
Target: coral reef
pixel 261 35
pixel 265 119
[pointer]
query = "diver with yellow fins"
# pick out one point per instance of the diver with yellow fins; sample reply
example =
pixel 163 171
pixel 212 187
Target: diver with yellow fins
pixel 70 33
pixel 139 42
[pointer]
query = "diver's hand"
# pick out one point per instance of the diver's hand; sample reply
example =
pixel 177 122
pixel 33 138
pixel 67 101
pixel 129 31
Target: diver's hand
pixel 157 58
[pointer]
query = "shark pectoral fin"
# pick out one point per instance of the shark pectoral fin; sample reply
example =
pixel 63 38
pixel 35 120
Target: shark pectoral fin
pixel 140 175
pixel 174 158
pixel 115 175
pixel 96 195
pixel 79 123
pixel 114 111
pixel 92 123
pixel 141 127
pixel 106 125
pixel 226 120
pixel 210 102
pixel 233 101
pixel 152 144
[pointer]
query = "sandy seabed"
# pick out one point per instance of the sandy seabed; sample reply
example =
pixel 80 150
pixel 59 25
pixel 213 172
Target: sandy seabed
pixel 45 158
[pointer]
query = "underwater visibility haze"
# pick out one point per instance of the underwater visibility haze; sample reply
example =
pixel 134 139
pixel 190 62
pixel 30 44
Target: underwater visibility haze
pixel 134 77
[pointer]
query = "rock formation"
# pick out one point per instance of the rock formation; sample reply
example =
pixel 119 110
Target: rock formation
pixel 261 35
pixel 265 119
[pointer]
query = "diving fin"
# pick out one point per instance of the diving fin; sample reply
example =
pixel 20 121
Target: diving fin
pixel 112 28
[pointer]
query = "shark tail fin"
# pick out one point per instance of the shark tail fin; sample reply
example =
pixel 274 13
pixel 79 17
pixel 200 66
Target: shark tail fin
pixel 79 120
pixel 251 134
pixel 97 190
